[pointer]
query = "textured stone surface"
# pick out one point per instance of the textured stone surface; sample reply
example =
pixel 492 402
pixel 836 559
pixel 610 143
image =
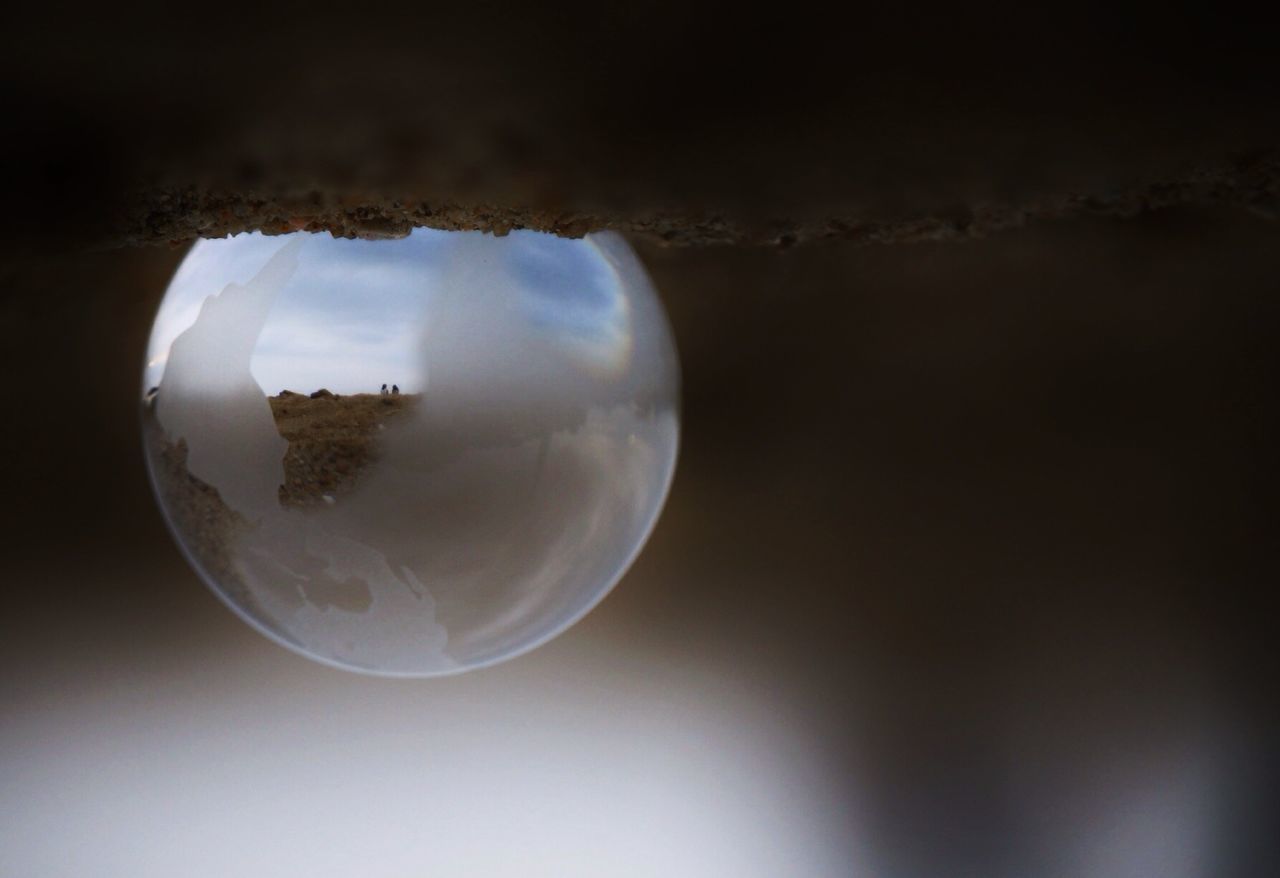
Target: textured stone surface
pixel 179 215
pixel 678 123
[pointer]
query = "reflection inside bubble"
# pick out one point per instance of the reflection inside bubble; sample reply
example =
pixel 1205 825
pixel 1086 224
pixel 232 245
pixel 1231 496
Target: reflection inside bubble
pixel 416 456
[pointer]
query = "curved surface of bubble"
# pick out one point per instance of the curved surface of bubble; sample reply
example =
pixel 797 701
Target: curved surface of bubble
pixel 411 457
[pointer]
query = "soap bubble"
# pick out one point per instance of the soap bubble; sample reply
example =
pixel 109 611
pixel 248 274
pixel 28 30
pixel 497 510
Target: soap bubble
pixel 411 457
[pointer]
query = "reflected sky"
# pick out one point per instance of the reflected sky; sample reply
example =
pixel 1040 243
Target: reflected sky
pixel 353 316
pixel 572 292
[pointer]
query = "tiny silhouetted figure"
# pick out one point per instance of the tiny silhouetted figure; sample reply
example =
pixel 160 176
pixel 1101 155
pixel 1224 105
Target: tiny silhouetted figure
pixel 395 389
pixel 384 390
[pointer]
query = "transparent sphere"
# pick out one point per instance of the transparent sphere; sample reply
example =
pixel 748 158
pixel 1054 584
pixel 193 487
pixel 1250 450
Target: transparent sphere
pixel 411 457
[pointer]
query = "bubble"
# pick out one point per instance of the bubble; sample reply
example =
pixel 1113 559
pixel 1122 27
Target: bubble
pixel 411 457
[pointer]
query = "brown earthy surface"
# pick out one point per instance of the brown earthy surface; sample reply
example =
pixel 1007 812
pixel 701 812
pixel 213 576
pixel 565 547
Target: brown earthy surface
pixel 332 440
pixel 175 215
pixel 208 527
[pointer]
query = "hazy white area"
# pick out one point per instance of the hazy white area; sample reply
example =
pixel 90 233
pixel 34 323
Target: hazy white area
pixel 573 762
pixel 502 506
pixel 213 403
pixel 590 757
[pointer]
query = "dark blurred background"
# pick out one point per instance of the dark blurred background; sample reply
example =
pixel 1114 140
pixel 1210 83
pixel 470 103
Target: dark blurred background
pixel 965 569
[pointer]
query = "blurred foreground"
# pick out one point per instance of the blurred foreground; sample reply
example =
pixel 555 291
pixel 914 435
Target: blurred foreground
pixel 957 578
